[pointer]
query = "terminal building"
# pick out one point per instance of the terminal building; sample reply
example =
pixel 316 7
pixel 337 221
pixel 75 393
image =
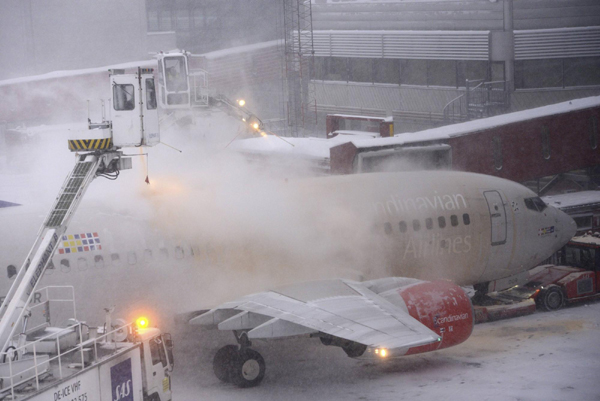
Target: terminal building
pixel 426 63
pixel 413 58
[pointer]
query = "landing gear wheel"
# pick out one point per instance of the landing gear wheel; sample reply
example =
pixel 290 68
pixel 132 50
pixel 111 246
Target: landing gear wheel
pixel 552 299
pixel 224 362
pixel 248 369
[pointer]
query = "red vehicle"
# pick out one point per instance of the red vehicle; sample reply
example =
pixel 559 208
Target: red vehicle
pixel 577 278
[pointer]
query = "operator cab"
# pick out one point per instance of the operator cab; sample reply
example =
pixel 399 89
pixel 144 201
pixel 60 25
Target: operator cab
pixel 173 81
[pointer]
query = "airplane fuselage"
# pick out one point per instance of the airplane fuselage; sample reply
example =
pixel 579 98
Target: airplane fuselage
pixel 465 227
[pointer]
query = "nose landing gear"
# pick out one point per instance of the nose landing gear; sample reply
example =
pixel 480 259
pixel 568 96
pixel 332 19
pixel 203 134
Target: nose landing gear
pixel 239 364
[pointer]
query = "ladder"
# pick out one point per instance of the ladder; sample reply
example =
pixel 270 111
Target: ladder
pixel 14 308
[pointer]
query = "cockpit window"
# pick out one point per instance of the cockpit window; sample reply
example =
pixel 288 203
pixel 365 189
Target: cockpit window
pixel 535 203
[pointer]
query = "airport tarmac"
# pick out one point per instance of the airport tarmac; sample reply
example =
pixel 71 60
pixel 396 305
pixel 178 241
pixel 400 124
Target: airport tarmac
pixel 544 356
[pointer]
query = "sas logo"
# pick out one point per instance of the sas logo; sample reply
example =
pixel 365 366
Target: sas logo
pixel 545 231
pixel 121 381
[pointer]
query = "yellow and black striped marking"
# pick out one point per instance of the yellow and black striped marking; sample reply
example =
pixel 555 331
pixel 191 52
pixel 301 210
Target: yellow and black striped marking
pixel 90 144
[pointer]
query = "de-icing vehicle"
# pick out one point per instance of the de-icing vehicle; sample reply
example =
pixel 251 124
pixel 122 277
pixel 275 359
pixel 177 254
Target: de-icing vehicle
pixel 45 356
pixel 184 88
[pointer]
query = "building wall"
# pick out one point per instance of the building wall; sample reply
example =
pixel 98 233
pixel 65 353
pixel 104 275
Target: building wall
pixel 410 58
pixel 207 25
pixel 429 15
pixel 39 36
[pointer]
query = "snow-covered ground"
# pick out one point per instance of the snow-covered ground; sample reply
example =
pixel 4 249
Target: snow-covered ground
pixel 544 356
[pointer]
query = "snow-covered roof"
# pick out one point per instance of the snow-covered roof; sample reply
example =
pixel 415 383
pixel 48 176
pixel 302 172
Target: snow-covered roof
pixel 319 148
pixel 241 49
pixel 85 71
pixel 573 199
pixel 313 148
pixel 456 130
pixel 133 64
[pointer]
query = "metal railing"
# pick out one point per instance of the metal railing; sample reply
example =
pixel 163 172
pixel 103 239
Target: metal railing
pixel 481 99
pixel 41 361
pixel 35 356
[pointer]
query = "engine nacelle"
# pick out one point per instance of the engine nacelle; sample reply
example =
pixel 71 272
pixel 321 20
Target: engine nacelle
pixel 442 306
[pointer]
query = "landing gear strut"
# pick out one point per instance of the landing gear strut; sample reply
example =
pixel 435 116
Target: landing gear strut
pixel 238 364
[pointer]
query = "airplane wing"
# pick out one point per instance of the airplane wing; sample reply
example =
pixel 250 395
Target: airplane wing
pixel 340 308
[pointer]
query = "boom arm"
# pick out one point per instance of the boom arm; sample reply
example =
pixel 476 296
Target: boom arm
pixel 15 306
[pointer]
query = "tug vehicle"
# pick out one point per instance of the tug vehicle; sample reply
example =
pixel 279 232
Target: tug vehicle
pixel 52 357
pixel 576 278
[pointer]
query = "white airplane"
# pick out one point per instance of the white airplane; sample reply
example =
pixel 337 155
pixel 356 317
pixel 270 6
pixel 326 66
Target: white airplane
pixel 395 229
pixel 454 228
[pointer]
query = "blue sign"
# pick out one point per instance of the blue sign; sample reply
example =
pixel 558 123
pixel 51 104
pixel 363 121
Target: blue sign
pixel 121 381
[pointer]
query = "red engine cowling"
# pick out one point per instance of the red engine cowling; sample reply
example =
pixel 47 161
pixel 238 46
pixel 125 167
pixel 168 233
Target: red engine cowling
pixel 443 307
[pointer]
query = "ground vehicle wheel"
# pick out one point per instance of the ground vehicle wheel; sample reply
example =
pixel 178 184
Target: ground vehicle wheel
pixel 552 299
pixel 249 369
pixel 224 361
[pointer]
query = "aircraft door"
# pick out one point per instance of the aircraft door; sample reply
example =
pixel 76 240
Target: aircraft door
pixel 497 217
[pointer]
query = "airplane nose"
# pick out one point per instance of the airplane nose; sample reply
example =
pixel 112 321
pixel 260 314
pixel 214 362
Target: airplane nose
pixel 567 226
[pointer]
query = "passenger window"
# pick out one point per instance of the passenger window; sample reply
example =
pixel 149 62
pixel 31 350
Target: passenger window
pixel 179 254
pixel 11 271
pixel 131 258
pixel 442 221
pixel 147 255
pixel 388 228
pixel 429 223
pixel 164 253
pixel 99 261
pixel 466 219
pixel 115 259
pixel 82 264
pixel 416 225
pixel 454 220
pixel 65 265
pixel 403 226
